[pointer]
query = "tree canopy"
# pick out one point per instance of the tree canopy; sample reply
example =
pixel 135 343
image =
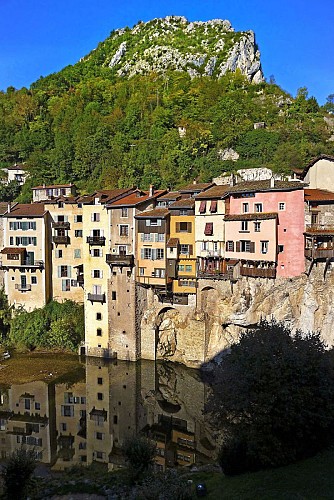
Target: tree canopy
pixel 273 398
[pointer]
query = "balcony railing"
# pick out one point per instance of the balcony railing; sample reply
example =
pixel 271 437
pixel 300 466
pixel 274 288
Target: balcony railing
pixel 95 297
pixel 23 288
pixel 258 272
pixel 96 240
pixel 61 240
pixel 61 225
pixel 120 260
pixel 214 275
pixel 22 263
pixel 319 253
pixel 320 228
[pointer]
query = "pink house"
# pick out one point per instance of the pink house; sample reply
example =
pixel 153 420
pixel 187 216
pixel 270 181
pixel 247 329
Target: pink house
pixel 264 228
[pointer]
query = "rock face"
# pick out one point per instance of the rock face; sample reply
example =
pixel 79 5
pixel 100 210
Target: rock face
pixel 199 333
pixel 209 48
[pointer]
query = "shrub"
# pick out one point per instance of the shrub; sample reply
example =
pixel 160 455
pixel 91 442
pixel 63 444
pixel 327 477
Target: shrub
pixel 139 452
pixel 17 472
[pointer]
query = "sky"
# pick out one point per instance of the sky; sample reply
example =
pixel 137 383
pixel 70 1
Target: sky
pixel 295 37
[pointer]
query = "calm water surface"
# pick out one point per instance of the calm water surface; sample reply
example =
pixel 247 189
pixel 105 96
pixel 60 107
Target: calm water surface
pixel 78 423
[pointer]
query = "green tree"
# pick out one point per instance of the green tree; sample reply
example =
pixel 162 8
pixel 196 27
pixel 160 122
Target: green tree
pixel 17 472
pixel 273 398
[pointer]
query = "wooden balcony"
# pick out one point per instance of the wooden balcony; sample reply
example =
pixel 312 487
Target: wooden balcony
pixel 214 275
pixel 61 240
pixel 94 297
pixel 14 264
pixel 23 288
pixel 315 229
pixel 120 260
pixel 319 253
pixel 258 272
pixel 61 225
pixel 96 240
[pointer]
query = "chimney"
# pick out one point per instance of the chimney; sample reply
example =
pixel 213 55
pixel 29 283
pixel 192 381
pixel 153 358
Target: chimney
pixel 8 207
pixel 272 182
pixel 232 180
pixel 151 190
pixel 194 181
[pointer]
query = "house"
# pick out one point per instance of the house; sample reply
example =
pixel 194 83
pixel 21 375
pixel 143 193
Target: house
pixel 42 193
pixel 318 173
pixel 17 173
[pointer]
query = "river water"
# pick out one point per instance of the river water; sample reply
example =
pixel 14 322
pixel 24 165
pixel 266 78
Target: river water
pixel 88 421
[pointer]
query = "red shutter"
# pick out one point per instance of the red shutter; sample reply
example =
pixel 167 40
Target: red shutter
pixel 208 231
pixel 202 207
pixel 252 247
pixel 191 249
pixel 237 249
pixel 213 207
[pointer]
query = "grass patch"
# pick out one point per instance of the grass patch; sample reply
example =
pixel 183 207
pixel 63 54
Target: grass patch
pixel 38 365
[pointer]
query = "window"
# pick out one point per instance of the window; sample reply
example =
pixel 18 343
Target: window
pixel 281 205
pixel 244 225
pixel 100 396
pixel 159 237
pixel 245 246
pixel 208 231
pixel 34 280
pixel 113 295
pixel 124 212
pixel 96 252
pixel 63 426
pixel 183 227
pixel 99 380
pixel 141 271
pixel 99 332
pixel 95 217
pixel 98 316
pixel 66 285
pixel 37 406
pixel 230 246
pixel 59 254
pixel 78 218
pixel 189 269
pixel 24 226
pixel 124 230
pixel 147 237
pixel 153 222
pixel 258 207
pixel 202 207
pixel 264 246
pixel 257 227
pixel 183 211
pixel 180 267
pixel 205 245
pixel 97 273
pixel 78 233
pixel 245 207
pixel 159 273
pixel 160 253
pixel 64 271
pixel 280 248
pixel 25 241
pixel 97 290
pixel 67 410
pixel 27 404
pixel 77 253
pixel 147 253
pixel 185 282
pixel 185 249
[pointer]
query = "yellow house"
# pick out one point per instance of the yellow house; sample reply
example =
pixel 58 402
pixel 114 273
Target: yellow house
pixel 181 256
pixel 26 256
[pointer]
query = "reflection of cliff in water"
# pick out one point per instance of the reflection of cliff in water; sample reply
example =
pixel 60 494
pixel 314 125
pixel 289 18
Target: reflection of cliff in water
pixel 89 421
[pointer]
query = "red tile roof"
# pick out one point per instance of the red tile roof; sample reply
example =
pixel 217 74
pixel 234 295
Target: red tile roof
pixel 213 192
pixel 192 188
pixel 171 195
pixel 26 210
pixel 182 203
pixel 135 198
pixel 13 250
pixel 255 216
pixel 159 213
pixel 318 195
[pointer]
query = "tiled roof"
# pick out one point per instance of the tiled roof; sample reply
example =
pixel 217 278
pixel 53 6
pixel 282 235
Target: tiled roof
pixel 54 186
pixel 173 242
pixel 26 210
pixel 192 188
pixel 159 213
pixel 133 199
pixel 13 250
pixel 172 195
pixel 105 195
pixel 257 186
pixel 256 216
pixel 318 195
pixel 213 192
pixel 182 203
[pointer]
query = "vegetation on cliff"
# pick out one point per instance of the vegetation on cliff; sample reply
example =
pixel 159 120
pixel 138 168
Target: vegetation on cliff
pixel 273 398
pixel 86 124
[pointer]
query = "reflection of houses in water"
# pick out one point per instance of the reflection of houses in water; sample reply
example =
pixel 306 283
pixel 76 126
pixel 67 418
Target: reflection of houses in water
pixel 81 423
pixel 71 425
pixel 28 420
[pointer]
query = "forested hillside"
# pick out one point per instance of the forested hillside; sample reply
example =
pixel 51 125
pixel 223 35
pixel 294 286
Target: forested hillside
pixel 89 126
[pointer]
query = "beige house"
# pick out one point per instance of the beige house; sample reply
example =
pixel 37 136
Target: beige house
pixel 42 193
pixel 26 256
pixel 319 173
pixel 17 173
pixel 67 245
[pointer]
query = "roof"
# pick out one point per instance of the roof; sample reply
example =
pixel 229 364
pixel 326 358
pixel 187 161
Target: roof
pixel 315 160
pixel 19 166
pixel 171 195
pixel 192 188
pixel 26 210
pixel 3 207
pixel 318 195
pixel 159 213
pixel 257 186
pixel 213 192
pixel 135 198
pixel 54 186
pixel 105 195
pixel 63 199
pixel 13 250
pixel 173 242
pixel 255 216
pixel 182 203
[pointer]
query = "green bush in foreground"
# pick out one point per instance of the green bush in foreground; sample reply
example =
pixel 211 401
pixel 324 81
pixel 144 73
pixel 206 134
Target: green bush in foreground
pixel 17 472
pixel 273 398
pixel 139 452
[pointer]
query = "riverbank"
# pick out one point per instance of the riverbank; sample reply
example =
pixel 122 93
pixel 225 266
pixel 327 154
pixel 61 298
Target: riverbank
pixel 49 366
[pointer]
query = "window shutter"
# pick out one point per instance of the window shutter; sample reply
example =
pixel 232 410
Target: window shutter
pixel 252 247
pixel 226 246
pixel 142 237
pixel 237 245
pixel 101 274
pixel 69 271
pixel 177 227
pixel 156 236
pixel 147 222
pixel 63 285
pixel 154 254
pixel 142 253
pixel 190 249
pixel 59 271
pixel 188 227
pixel 65 218
pixel 202 207
pixel 213 207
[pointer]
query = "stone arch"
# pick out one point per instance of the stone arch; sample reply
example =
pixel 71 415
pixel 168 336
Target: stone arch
pixel 209 296
pixel 165 332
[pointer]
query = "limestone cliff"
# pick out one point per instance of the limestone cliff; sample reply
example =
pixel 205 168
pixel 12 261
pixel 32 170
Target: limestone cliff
pixel 200 332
